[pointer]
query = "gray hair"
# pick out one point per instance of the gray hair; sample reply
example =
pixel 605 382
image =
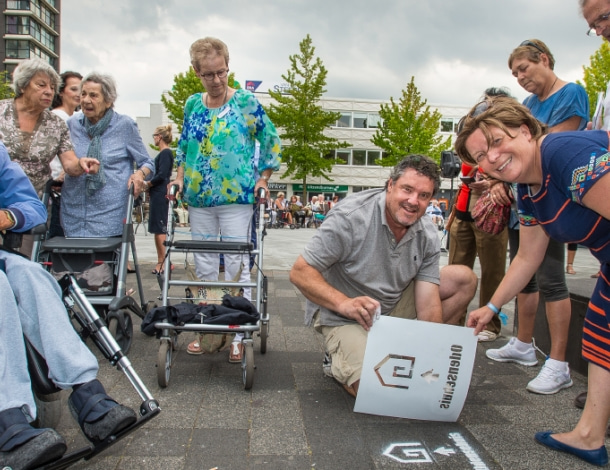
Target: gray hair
pixel 27 69
pixel 106 82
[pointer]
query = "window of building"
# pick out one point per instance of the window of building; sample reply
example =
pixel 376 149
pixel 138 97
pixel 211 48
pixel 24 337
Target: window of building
pixel 446 125
pixel 360 120
pixel 374 121
pixel 17 25
pixel 18 5
pixel 342 157
pixel 17 49
pixel 372 156
pixel 359 157
pixel 345 120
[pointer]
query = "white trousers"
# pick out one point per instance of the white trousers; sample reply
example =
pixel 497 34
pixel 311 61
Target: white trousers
pixel 233 222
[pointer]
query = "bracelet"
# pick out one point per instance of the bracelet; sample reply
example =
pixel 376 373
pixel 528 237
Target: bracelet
pixel 143 174
pixel 498 311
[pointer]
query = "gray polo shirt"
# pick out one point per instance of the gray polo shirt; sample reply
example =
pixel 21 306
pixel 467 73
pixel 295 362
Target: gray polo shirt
pixel 357 254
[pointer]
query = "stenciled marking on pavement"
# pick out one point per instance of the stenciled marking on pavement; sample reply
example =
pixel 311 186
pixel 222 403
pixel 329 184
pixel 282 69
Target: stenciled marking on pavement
pixel 417 452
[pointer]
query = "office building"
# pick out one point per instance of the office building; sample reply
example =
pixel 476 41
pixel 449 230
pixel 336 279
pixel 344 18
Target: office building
pixel 30 28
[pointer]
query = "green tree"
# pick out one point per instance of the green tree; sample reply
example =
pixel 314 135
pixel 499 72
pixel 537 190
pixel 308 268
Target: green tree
pixel 409 126
pixel 5 86
pixel 597 75
pixel 185 85
pixel 301 121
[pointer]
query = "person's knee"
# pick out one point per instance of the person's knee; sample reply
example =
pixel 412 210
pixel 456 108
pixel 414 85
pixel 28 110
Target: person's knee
pixel 458 279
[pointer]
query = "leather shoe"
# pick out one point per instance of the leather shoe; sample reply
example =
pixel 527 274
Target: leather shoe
pixel 580 400
pixel 595 457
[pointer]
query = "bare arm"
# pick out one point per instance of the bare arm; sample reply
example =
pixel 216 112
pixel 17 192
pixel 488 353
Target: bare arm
pixel 313 286
pixel 428 302
pixel 570 124
pixel 75 166
pixel 533 242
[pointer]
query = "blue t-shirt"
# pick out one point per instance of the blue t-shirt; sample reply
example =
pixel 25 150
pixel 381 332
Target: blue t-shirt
pixel 571 100
pixel 572 162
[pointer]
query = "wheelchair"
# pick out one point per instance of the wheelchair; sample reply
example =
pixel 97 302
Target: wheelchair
pixel 100 267
pixel 47 394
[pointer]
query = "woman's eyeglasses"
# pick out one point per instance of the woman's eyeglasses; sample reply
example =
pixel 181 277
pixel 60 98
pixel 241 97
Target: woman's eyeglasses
pixel 209 76
pixel 476 111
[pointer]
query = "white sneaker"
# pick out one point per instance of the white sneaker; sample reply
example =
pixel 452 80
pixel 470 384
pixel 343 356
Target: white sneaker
pixel 509 353
pixel 326 365
pixel 550 381
pixel 485 336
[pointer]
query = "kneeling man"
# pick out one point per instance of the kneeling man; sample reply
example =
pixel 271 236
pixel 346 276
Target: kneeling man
pixel 375 250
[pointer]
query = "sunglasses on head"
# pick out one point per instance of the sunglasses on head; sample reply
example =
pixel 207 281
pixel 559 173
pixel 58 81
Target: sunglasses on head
pixel 532 44
pixel 476 111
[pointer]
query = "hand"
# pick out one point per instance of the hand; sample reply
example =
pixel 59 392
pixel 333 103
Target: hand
pixel 89 165
pixel 261 183
pixel 5 222
pixel 138 183
pixel 361 309
pixel 479 318
pixel 479 186
pixel 178 182
pixel 500 195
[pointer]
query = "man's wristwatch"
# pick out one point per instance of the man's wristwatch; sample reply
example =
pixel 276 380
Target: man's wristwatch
pixel 10 217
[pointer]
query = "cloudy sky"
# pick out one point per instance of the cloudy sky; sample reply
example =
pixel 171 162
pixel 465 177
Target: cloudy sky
pixel 454 48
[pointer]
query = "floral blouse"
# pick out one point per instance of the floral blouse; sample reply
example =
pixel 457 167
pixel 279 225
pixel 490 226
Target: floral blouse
pixel 217 148
pixel 34 150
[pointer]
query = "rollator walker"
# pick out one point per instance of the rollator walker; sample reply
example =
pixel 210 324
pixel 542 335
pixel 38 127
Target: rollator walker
pixel 169 331
pixel 103 258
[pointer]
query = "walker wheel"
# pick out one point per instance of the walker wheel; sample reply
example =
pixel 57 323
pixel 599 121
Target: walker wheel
pixel 164 363
pixel 247 365
pixel 123 336
pixel 264 333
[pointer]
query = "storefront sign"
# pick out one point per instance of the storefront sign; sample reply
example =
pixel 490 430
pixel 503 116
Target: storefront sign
pixel 277 186
pixel 326 188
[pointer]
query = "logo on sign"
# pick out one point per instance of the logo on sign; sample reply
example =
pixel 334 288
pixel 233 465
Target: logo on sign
pixel 252 85
pixel 395 370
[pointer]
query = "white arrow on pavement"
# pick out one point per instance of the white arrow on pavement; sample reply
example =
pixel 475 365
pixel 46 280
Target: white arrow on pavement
pixel 446 451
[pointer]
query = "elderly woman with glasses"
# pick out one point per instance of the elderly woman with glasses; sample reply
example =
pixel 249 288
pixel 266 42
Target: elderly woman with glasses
pixel 562 106
pixel 563 185
pixel 94 205
pixel 216 167
pixel 32 134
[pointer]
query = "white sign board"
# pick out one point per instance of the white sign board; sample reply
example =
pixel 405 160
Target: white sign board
pixel 416 369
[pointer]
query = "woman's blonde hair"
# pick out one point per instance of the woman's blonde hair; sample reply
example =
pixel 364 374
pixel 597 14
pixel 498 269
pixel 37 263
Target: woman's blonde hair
pixel 501 112
pixel 203 48
pixel 165 132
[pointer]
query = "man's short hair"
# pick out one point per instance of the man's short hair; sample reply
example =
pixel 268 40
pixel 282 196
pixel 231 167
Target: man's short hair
pixel 421 164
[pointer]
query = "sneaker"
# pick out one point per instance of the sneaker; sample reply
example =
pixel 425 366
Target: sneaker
pixel 550 381
pixel 485 336
pixel 326 365
pixel 509 353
